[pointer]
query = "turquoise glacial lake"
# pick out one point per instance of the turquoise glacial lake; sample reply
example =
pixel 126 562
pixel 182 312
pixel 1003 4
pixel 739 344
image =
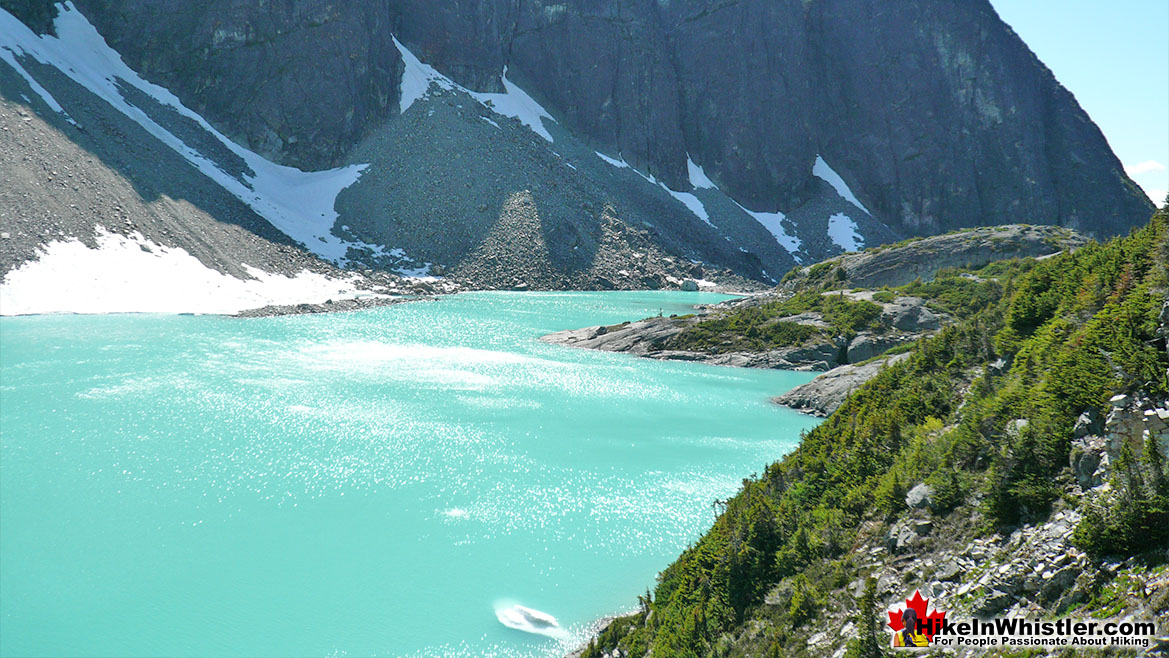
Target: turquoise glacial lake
pixel 381 483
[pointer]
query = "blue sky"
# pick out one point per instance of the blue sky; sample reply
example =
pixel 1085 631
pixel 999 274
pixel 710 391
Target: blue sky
pixel 1114 57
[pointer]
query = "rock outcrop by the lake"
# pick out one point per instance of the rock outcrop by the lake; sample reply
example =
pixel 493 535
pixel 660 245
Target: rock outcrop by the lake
pixel 899 264
pixel 638 337
pixel 330 306
pixel 846 363
pixel 648 338
pixel 908 319
pixel 825 393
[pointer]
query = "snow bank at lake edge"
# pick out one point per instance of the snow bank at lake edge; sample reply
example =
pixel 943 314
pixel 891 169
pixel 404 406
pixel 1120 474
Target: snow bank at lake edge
pixel 130 274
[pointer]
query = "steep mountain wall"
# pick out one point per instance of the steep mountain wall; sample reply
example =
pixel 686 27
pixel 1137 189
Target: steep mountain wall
pixel 296 81
pixel 935 114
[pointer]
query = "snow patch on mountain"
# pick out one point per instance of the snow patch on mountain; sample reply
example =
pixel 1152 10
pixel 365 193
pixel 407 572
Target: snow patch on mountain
pixel 773 222
pixel 619 163
pixel 843 231
pixel 417 78
pixel 698 177
pixel 692 203
pixel 130 274
pixel 514 102
pixel 420 79
pixel 827 174
pixel 298 203
pixel 9 55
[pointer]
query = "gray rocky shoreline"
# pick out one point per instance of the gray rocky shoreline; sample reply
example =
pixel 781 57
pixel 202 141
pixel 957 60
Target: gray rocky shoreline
pixel 846 363
pixel 330 306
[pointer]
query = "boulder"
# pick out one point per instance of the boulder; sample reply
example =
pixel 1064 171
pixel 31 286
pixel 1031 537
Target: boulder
pixel 1077 593
pixel 828 353
pixel 901 536
pixel 911 315
pixel 1089 461
pixel 992 603
pixel 651 282
pixel 1016 427
pixel 689 285
pixel 920 496
pixel 865 346
pixel 1056 583
pixel 810 318
pixel 948 572
pixel 825 394
pixel 1087 423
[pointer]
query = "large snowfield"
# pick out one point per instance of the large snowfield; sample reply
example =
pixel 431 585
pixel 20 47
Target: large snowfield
pixel 130 274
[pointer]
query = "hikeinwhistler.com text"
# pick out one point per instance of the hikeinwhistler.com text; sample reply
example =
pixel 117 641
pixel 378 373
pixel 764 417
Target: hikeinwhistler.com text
pixel 1016 632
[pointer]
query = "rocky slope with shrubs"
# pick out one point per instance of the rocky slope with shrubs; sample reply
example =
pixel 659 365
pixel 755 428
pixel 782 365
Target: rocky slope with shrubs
pixel 815 330
pixel 1015 462
pixel 922 258
pixel 839 315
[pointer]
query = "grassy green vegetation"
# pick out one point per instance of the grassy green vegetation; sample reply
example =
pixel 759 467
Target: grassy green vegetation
pixel 758 328
pixel 1044 342
pixel 958 293
pixel 825 274
pixel 1112 599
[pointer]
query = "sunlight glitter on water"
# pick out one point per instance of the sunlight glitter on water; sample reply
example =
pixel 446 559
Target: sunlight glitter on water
pixel 365 483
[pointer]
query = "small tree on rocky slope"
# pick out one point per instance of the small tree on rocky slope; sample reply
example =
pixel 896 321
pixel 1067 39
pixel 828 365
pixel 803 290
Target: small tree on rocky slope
pixel 866 644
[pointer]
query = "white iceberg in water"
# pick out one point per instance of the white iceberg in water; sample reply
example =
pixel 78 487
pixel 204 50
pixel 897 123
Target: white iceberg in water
pixel 529 620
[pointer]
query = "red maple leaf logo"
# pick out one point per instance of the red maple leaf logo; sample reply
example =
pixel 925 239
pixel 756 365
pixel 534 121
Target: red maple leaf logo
pixel 931 622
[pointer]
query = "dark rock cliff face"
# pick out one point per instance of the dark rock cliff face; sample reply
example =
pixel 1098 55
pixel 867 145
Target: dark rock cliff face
pixel 37 14
pixel 954 122
pixel 298 81
pixel 935 113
